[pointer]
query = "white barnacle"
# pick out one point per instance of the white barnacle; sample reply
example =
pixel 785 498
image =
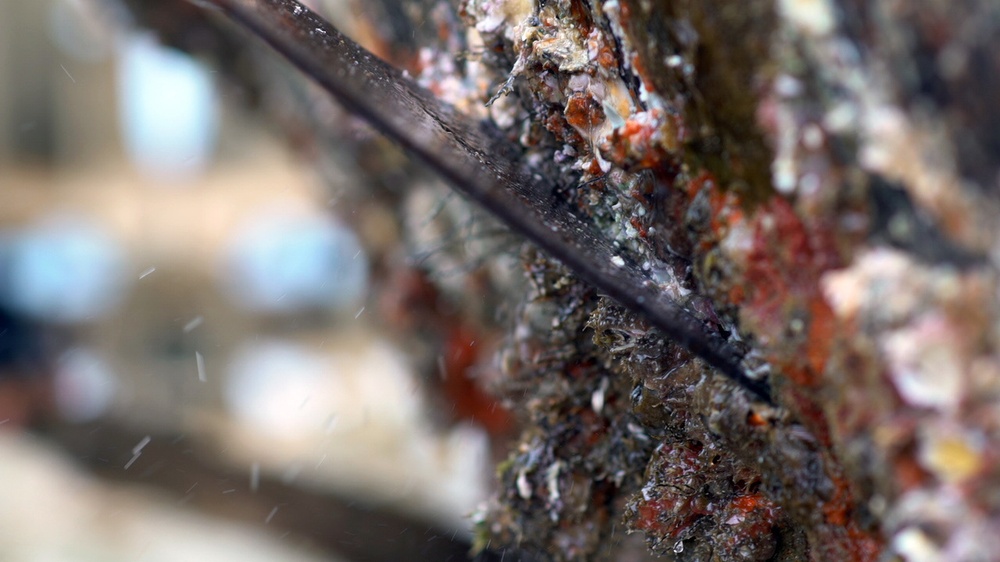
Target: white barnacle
pixel 523 485
pixel 597 398
pixel 552 479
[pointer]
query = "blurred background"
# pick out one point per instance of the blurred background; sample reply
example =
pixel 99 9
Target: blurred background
pixel 221 336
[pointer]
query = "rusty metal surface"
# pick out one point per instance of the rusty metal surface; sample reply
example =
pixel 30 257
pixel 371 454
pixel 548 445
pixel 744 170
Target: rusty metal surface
pixel 478 164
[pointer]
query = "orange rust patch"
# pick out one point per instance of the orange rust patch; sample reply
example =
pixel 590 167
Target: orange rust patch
pixel 583 112
pixel 822 331
pixel 606 58
pixel 865 547
pixel 750 502
pixel 781 280
pixel 640 228
pixel 860 546
pixel 594 168
pixel 469 400
pixel 646 141
pixel 837 510
pixel 655 514
pixel 909 474
pixel 756 420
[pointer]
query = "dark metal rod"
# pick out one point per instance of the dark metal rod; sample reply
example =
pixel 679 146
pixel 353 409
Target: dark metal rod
pixel 477 163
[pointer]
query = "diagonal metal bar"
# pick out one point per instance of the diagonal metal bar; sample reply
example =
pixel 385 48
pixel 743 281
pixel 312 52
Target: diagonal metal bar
pixel 477 163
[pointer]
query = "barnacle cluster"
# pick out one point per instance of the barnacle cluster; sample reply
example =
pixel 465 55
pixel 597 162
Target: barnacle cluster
pixel 797 176
pixel 577 99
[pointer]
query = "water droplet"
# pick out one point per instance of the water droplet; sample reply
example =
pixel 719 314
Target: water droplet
pixel 200 361
pixel 194 323
pixel 254 477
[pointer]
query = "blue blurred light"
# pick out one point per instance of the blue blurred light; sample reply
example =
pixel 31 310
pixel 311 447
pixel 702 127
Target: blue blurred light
pixel 64 271
pixel 168 109
pixel 291 263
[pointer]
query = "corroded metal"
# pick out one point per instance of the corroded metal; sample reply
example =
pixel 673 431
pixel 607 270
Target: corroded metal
pixel 817 182
pixel 477 163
